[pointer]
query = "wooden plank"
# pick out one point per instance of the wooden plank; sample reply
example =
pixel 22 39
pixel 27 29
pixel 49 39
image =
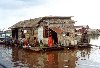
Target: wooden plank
pixel 35 48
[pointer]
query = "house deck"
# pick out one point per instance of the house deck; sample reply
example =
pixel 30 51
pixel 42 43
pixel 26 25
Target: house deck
pixel 38 49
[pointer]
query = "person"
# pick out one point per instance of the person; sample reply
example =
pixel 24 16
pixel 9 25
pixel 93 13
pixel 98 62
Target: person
pixel 50 41
pixel 41 43
pixel 25 42
pixel 35 42
pixel 21 42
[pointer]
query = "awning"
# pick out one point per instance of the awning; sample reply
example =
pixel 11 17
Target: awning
pixel 57 30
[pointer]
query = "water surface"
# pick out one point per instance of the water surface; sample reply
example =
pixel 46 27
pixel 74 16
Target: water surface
pixel 69 58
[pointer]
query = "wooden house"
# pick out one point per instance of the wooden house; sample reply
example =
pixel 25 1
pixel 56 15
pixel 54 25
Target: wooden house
pixel 61 29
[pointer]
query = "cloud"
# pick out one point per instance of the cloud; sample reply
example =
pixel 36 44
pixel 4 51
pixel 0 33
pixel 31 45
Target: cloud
pixel 86 12
pixel 16 4
pixel 12 11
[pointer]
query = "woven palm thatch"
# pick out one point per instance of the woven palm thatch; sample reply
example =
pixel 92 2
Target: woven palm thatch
pixel 26 23
pixel 34 22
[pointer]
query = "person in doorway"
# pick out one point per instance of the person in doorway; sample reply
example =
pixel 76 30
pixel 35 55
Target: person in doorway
pixel 50 41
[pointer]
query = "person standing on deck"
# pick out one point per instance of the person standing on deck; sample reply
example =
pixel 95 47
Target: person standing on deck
pixel 25 42
pixel 50 41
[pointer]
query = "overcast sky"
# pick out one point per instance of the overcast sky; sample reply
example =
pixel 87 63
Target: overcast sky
pixel 85 12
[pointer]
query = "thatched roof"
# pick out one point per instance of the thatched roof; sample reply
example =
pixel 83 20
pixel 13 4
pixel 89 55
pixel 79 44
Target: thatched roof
pixel 34 22
pixel 26 23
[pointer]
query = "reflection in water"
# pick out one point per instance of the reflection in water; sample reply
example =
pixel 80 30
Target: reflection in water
pixel 84 52
pixel 70 58
pixel 67 59
pixel 55 59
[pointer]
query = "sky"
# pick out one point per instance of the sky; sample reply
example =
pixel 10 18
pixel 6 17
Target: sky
pixel 85 12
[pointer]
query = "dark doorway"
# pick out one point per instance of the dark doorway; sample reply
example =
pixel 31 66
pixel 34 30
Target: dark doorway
pixel 54 36
pixel 15 33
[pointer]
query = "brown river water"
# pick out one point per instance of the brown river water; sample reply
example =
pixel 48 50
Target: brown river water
pixel 13 57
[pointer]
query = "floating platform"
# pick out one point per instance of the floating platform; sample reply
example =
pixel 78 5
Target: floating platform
pixel 56 48
pixel 82 45
pixel 38 49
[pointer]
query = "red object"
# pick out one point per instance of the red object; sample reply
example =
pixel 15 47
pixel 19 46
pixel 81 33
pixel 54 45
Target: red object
pixel 50 41
pixel 26 42
pixel 50 58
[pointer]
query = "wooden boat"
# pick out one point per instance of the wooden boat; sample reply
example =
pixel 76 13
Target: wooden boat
pixel 37 49
pixel 84 45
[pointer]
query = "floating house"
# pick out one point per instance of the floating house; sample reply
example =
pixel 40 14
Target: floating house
pixel 81 29
pixel 53 29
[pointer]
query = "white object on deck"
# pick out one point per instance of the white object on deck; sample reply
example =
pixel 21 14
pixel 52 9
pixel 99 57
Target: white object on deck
pixel 40 34
pixel 74 42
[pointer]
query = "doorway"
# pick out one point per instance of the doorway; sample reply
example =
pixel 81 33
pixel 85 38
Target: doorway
pixel 15 33
pixel 54 36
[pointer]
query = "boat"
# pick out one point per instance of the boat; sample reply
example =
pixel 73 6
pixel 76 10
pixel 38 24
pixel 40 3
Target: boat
pixel 38 49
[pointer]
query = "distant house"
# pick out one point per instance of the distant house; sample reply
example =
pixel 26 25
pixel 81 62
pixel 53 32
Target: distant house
pixel 93 31
pixel 1 33
pixel 5 33
pixel 61 28
pixel 81 29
